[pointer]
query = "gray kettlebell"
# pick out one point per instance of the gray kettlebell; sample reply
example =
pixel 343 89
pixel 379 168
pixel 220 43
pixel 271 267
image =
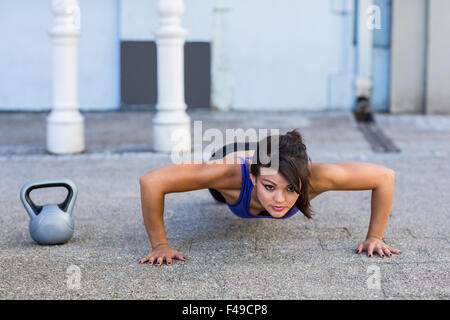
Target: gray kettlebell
pixel 50 223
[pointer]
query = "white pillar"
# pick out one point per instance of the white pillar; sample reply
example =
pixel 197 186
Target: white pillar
pixel 221 93
pixel 171 124
pixel 65 124
pixel 365 41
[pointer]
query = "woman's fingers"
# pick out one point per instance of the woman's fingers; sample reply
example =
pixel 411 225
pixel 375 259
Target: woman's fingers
pixel 382 249
pixel 393 250
pixel 159 261
pixel 145 259
pixel 157 257
pixel 380 252
pixel 370 250
pixel 360 248
pixel 151 260
pixel 387 251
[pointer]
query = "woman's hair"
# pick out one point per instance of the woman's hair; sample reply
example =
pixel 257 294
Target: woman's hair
pixel 293 164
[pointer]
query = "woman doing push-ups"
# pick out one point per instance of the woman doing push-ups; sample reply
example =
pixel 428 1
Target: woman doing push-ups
pixel 253 188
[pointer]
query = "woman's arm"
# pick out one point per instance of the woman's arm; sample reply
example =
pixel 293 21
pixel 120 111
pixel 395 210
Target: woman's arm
pixel 381 205
pixel 168 179
pixel 152 202
pixel 363 176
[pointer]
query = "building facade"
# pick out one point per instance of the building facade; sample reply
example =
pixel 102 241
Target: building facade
pixel 238 55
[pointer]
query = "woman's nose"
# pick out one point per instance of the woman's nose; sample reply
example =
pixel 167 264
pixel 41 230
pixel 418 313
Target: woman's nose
pixel 279 197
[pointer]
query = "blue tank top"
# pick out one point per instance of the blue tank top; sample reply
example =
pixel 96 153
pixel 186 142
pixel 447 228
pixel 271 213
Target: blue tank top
pixel 241 206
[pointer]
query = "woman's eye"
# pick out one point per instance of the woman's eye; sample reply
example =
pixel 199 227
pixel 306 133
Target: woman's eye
pixel 290 189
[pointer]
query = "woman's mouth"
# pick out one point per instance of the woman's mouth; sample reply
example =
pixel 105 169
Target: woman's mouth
pixel 277 208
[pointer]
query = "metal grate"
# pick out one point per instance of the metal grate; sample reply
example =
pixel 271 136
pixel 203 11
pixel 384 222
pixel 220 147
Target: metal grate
pixel 376 138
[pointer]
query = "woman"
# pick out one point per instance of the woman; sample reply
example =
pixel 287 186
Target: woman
pixel 260 189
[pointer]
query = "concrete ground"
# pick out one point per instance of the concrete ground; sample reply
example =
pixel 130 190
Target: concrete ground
pixel 227 257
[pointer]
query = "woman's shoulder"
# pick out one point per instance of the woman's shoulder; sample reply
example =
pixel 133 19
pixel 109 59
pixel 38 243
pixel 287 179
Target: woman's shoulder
pixel 231 165
pixel 320 173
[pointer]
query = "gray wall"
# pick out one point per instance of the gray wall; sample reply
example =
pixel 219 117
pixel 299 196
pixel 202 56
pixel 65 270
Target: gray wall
pixel 408 52
pixel 438 70
pixel 420 58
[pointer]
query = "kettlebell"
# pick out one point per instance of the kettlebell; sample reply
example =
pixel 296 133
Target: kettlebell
pixel 50 223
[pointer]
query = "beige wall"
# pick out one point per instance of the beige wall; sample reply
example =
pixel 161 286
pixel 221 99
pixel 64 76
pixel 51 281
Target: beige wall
pixel 438 70
pixel 408 53
pixel 420 56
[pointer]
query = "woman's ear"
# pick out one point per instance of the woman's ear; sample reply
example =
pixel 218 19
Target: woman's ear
pixel 253 178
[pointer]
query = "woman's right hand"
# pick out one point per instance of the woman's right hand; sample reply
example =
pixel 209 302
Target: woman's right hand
pixel 160 253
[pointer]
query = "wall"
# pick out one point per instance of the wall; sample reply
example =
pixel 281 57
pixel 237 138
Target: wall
pixel 284 55
pixel 292 55
pixel 438 70
pixel 25 55
pixel 139 21
pixel 408 56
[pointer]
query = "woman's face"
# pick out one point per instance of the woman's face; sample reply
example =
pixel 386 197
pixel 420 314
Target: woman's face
pixel 273 190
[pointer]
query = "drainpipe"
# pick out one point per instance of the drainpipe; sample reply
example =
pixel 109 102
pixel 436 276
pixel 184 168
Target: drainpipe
pixel 65 124
pixel 363 81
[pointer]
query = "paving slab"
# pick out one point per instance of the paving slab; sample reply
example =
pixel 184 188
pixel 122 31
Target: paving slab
pixel 227 257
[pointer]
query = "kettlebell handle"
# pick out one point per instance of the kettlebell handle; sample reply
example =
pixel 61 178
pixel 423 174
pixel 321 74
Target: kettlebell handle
pixel 66 206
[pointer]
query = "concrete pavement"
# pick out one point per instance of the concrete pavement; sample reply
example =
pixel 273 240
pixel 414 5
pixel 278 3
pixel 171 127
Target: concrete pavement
pixel 227 257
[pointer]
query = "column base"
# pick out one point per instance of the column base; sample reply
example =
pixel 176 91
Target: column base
pixel 65 132
pixel 171 132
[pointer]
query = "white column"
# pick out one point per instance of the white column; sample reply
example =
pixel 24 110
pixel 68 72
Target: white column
pixel 365 41
pixel 221 93
pixel 65 124
pixel 171 124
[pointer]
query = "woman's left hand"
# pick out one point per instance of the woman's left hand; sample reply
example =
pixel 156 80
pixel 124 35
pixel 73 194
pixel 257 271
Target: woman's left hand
pixel 371 245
